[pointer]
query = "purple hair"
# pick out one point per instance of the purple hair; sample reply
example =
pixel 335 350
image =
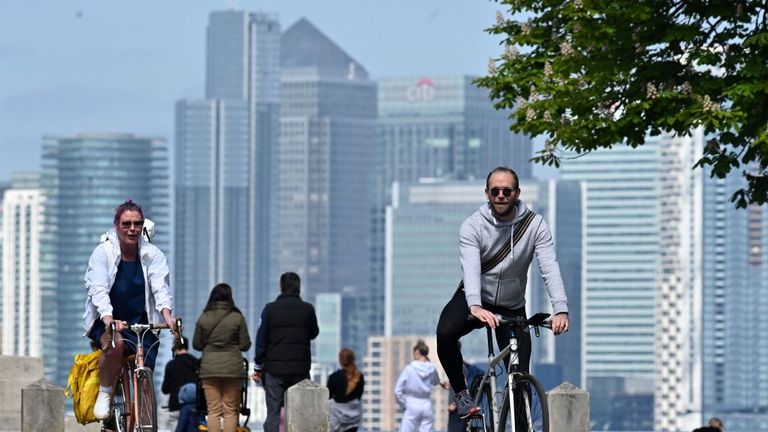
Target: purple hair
pixel 128 205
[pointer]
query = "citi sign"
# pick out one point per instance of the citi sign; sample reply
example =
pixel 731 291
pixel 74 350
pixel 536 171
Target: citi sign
pixel 423 91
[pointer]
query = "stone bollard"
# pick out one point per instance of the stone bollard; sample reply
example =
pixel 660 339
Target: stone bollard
pixel 15 374
pixel 42 407
pixel 306 408
pixel 568 409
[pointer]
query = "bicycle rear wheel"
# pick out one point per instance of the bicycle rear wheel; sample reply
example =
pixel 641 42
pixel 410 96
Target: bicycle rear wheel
pixel 486 409
pixel 119 413
pixel 146 417
pixel 531 410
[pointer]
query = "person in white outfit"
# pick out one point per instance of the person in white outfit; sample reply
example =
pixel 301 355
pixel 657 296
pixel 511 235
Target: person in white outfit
pixel 413 390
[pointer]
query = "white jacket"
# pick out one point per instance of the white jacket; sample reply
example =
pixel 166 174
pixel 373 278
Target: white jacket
pixel 416 381
pixel 102 271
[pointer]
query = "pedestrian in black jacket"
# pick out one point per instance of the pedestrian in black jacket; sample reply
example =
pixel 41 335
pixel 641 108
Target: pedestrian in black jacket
pixel 283 356
pixel 179 371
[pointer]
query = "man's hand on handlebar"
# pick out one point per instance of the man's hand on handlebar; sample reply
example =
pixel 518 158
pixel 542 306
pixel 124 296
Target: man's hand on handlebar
pixel 485 316
pixel 560 323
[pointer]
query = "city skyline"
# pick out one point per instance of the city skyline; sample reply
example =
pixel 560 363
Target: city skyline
pixel 119 68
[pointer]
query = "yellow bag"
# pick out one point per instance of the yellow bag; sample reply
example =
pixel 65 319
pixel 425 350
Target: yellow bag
pixel 83 386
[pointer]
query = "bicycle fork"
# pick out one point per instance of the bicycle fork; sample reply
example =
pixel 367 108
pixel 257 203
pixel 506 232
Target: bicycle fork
pixel 513 363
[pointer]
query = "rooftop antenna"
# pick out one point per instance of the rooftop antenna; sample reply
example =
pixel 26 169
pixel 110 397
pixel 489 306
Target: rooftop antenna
pixel 232 4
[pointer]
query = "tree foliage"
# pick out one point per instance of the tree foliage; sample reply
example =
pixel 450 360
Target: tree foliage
pixel 590 74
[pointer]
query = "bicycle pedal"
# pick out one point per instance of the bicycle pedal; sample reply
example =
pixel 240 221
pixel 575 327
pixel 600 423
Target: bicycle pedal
pixel 474 413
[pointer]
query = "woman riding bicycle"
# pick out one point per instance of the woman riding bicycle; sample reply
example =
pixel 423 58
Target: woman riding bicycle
pixel 127 282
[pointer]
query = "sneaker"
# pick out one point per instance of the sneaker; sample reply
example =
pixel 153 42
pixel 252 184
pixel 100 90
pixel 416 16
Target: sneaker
pixel 465 406
pixel 101 407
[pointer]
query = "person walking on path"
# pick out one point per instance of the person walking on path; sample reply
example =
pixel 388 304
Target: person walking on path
pixel 221 334
pixel 413 391
pixel 283 356
pixel 345 388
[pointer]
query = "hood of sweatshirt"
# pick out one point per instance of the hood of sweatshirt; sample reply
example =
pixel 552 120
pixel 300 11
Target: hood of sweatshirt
pixel 521 209
pixel 423 369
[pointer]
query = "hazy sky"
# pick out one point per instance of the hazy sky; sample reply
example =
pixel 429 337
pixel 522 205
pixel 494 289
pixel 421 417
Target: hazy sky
pixel 106 65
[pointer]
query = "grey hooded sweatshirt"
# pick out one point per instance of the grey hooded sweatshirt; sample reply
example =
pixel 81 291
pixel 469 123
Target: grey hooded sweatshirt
pixel 481 237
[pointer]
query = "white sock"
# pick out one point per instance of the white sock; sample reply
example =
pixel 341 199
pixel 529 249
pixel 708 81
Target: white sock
pixel 107 390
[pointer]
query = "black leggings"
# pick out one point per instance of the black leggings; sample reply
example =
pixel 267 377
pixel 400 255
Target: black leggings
pixel 453 324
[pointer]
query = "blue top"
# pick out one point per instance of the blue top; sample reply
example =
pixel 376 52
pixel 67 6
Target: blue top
pixel 127 294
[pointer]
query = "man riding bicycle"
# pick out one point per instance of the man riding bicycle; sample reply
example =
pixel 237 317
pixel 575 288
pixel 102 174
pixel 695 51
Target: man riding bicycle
pixel 128 283
pixel 496 246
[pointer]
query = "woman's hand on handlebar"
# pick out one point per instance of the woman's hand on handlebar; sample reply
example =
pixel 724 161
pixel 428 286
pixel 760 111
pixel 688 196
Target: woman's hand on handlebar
pixel 119 325
pixel 485 316
pixel 170 321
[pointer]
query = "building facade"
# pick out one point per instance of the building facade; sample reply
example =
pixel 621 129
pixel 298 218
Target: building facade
pixel 621 264
pixel 327 120
pixel 226 146
pixel 733 307
pixel 21 224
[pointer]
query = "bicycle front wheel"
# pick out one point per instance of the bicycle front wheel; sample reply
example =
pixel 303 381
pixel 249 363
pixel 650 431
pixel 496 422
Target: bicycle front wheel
pixel 146 416
pixel 531 411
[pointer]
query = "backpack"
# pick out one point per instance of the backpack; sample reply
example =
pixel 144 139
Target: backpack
pixel 83 386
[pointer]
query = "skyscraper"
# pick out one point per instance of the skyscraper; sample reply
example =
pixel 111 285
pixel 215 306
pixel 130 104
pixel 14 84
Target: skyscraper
pixel 84 178
pixel 677 364
pixel 733 308
pixel 327 121
pixel 225 167
pixel 444 127
pixel 20 226
pixel 621 265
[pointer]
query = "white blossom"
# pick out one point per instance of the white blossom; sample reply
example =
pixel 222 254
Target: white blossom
pixel 530 114
pixel 499 18
pixel 708 105
pixel 651 92
pixel 566 49
pixel 511 53
pixel 527 27
pixel 492 70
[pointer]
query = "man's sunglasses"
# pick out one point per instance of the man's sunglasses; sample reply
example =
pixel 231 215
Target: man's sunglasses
pixel 127 224
pixel 505 191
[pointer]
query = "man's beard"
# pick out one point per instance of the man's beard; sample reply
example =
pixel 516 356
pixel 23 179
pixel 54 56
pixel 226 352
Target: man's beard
pixel 510 209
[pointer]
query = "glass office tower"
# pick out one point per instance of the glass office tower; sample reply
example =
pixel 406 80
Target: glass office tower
pixel 225 161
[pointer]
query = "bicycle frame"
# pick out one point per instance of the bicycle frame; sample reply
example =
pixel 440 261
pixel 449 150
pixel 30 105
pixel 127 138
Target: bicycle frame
pixel 490 375
pixel 512 367
pixel 129 369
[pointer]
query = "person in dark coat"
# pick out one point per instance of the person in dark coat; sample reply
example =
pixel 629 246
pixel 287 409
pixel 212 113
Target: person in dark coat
pixel 222 334
pixel 179 371
pixel 283 356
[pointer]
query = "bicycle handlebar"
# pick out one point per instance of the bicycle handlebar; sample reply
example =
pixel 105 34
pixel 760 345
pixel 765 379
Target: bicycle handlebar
pixel 178 326
pixel 536 321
